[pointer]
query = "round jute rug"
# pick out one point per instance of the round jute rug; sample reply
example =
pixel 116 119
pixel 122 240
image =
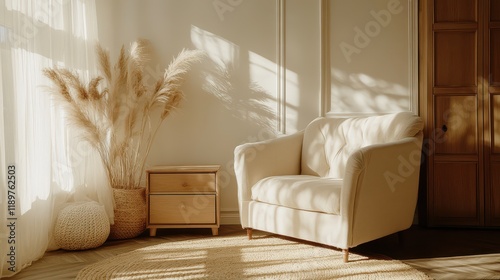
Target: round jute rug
pixel 236 257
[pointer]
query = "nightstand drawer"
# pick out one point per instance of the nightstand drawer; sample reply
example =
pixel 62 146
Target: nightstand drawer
pixel 182 182
pixel 182 209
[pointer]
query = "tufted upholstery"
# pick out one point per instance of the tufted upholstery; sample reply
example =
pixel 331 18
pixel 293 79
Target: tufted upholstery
pixel 340 182
pixel 328 142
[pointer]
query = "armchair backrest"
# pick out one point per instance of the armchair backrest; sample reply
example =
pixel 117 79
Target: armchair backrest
pixel 328 142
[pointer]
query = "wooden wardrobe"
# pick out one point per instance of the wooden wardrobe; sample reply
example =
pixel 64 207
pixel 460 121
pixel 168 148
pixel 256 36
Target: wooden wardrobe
pixel 459 69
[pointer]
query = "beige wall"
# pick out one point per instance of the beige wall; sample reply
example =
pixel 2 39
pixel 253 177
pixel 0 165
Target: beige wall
pixel 235 95
pixel 373 56
pixel 239 94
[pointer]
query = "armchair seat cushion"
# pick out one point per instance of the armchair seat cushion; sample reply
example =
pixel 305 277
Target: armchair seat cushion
pixel 305 192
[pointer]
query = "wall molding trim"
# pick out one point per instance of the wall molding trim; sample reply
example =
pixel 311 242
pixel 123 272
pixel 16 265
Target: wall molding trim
pixel 281 66
pixel 413 55
pixel 326 78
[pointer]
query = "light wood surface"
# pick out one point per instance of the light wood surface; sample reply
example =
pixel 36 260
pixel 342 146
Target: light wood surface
pixel 182 182
pixel 492 114
pixel 183 196
pixel 184 168
pixel 441 254
pixel 460 55
pixel 182 209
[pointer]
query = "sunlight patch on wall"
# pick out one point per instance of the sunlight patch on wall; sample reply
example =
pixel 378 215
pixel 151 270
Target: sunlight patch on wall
pixel 263 76
pixel 293 97
pixel 361 93
pixel 373 57
pixel 248 93
pixel 223 58
pixel 218 49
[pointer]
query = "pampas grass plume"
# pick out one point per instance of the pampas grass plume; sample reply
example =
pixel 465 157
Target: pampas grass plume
pixel 115 111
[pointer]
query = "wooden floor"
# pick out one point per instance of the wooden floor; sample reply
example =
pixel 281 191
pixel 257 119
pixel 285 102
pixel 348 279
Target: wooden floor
pixel 440 253
pixel 444 253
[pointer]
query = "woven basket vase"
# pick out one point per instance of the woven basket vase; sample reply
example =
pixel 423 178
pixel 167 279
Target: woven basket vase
pixel 130 213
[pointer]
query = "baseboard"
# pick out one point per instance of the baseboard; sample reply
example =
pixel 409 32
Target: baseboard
pixel 229 217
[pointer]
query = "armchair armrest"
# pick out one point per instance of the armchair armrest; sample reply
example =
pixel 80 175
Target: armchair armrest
pixel 381 189
pixel 255 161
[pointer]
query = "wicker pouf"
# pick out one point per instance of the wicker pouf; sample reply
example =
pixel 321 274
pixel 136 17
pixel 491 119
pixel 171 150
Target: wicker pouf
pixel 81 226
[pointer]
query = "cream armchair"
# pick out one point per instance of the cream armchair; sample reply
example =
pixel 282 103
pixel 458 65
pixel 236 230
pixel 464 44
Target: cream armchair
pixel 340 182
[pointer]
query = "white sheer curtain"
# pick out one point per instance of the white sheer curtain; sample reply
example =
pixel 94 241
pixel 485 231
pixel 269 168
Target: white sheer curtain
pixel 50 164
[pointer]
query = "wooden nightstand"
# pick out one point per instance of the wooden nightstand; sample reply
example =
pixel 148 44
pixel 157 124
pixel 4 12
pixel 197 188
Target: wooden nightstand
pixel 183 197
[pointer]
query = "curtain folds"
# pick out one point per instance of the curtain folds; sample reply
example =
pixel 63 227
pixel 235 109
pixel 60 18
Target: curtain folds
pixel 44 165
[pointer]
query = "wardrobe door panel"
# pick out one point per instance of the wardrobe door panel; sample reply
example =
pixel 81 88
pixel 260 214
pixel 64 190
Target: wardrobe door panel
pixel 494 10
pixel 495 124
pixel 492 116
pixel 453 10
pixel 456 121
pixel 493 213
pixel 454 106
pixel 494 57
pixel 455 50
pixel 455 196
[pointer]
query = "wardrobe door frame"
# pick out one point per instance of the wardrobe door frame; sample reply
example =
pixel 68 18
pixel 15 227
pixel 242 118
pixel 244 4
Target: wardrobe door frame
pixel 492 93
pixel 434 142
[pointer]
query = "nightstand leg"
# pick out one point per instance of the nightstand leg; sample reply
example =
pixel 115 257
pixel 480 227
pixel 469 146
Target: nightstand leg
pixel 152 232
pixel 215 231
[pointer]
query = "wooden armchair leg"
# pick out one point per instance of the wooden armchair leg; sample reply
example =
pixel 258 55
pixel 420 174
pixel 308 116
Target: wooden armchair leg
pixel 249 233
pixel 345 252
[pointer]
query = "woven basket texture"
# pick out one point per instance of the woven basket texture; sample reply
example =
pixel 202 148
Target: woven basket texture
pixel 130 213
pixel 81 226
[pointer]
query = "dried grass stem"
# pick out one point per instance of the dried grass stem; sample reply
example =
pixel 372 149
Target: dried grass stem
pixel 114 111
